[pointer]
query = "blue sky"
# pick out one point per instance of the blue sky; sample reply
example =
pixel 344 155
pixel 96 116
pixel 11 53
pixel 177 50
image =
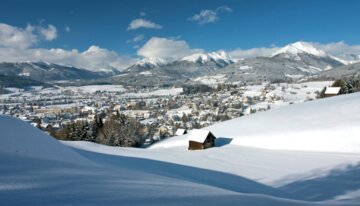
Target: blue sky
pixel 227 25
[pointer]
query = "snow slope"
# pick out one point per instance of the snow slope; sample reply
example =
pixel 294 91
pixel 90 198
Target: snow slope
pixel 322 125
pixel 33 173
pixel 20 138
pixel 169 174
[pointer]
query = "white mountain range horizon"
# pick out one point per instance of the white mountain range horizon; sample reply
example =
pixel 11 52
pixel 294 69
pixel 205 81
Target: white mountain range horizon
pixel 110 60
pixel 291 49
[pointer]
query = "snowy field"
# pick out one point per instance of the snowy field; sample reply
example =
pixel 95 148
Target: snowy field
pixel 16 92
pixel 155 93
pixel 303 154
pixel 95 88
pixel 292 92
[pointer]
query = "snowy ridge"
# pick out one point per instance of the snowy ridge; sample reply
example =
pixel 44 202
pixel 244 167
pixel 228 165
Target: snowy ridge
pixel 300 47
pixel 218 57
pixel 151 62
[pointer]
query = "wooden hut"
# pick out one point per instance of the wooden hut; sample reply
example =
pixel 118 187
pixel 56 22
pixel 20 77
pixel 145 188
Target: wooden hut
pixel 201 139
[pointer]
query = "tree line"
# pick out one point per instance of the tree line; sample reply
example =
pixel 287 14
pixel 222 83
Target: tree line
pixel 117 130
pixel 347 86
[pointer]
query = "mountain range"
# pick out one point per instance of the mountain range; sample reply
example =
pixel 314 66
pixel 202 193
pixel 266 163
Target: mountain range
pixel 44 71
pixel 292 62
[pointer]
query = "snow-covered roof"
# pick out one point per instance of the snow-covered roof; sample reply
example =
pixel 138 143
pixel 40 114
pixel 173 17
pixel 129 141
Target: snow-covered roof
pixel 180 132
pixel 332 90
pixel 198 135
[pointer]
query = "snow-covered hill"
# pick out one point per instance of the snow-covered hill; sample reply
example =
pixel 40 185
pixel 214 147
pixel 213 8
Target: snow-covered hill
pixel 21 139
pixel 323 125
pixel 240 170
pixel 38 170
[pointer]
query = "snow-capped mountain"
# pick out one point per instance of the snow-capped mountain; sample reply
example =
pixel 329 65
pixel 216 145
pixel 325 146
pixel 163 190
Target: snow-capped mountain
pixel 300 47
pixel 157 71
pixel 151 62
pixel 221 58
pixel 146 64
pixel 307 58
pixel 291 62
pixel 308 54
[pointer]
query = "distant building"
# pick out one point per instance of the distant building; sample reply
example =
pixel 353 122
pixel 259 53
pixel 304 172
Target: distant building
pixel 332 91
pixel 180 132
pixel 201 139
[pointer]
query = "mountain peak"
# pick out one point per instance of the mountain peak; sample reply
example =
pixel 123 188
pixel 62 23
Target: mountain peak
pixel 151 61
pixel 300 47
pixel 220 56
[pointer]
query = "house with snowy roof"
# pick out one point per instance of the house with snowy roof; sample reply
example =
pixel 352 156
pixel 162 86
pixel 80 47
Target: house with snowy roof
pixel 180 132
pixel 200 139
pixel 332 91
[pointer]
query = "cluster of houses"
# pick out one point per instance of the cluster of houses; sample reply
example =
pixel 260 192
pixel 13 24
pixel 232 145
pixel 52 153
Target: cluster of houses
pixel 166 113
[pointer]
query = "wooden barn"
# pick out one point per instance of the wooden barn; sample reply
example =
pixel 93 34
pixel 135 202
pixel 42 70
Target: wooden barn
pixel 201 139
pixel 332 91
pixel 180 132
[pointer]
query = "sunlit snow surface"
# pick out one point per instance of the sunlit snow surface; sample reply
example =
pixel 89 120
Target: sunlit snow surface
pixel 316 163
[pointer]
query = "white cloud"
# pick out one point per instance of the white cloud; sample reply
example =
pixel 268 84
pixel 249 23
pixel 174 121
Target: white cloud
pixel 142 13
pixel 143 23
pixel 16 43
pixel 166 48
pixel 209 16
pixel 11 36
pixel 253 52
pixel 205 16
pixel 340 49
pixel 49 33
pixel 67 28
pixel 16 37
pixel 94 58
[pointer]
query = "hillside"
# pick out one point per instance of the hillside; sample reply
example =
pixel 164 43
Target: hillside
pixel 241 169
pixel 322 125
pixel 19 82
pixel 43 71
pixel 38 170
pixel 340 72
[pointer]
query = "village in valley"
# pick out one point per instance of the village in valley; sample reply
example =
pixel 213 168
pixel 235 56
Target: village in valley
pixel 152 114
